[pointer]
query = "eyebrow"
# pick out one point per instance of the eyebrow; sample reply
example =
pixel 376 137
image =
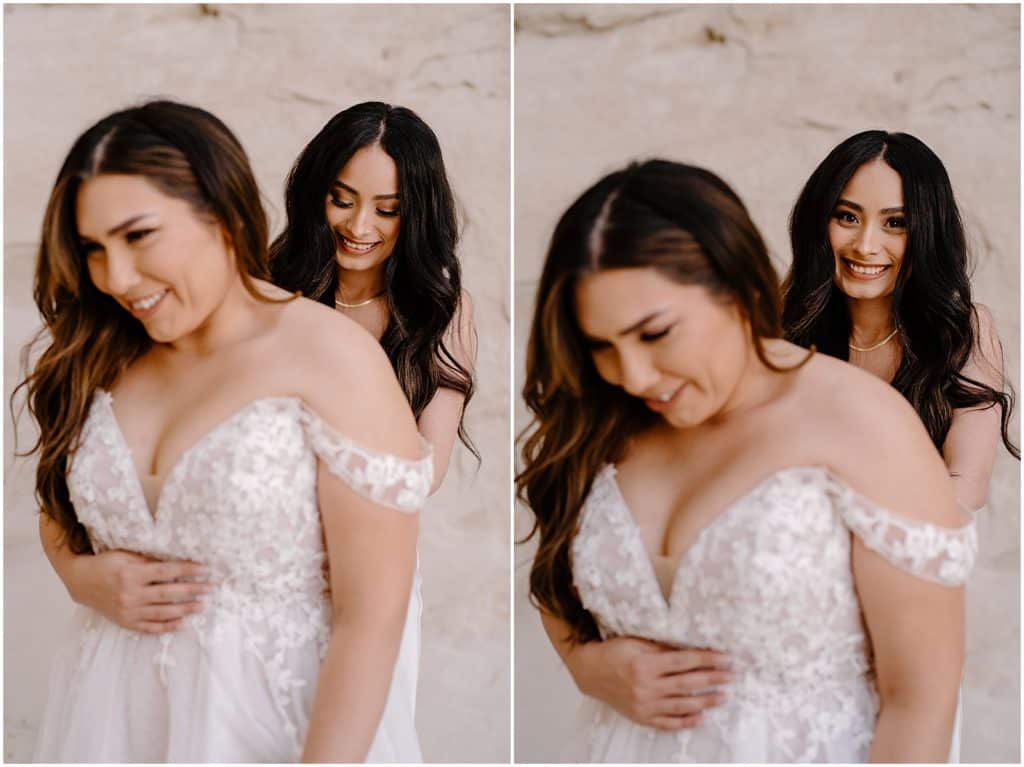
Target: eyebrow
pixel 859 209
pixel 377 197
pixel 632 328
pixel 122 226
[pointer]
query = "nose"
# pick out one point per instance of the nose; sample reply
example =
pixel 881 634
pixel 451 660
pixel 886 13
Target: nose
pixel 637 375
pixel 867 241
pixel 360 224
pixel 121 273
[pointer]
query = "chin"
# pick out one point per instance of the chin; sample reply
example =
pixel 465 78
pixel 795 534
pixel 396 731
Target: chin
pixel 351 263
pixel 862 292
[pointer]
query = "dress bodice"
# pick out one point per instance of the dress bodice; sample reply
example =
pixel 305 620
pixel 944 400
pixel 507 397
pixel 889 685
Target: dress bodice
pixel 768 580
pixel 241 500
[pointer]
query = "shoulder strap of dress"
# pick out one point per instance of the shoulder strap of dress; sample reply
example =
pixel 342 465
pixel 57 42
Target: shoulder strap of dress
pixel 399 483
pixel 941 554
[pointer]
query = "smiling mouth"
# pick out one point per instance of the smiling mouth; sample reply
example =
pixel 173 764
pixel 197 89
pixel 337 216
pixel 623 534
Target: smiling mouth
pixel 663 401
pixel 358 248
pixel 865 271
pixel 145 304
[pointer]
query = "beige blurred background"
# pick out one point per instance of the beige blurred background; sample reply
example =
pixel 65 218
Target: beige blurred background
pixel 275 75
pixel 760 94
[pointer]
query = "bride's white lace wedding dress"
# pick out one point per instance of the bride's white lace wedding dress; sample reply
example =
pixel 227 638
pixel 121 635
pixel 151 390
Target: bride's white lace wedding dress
pixel 767 581
pixel 236 683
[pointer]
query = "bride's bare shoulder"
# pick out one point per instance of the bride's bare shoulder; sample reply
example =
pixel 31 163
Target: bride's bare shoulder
pixel 342 373
pixel 870 435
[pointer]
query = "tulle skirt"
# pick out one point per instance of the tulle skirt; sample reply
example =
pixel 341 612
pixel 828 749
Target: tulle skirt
pixel 216 693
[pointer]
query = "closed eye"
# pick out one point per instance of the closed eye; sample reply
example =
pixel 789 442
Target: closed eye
pixel 387 213
pixel 651 337
pixel 137 235
pixel 339 203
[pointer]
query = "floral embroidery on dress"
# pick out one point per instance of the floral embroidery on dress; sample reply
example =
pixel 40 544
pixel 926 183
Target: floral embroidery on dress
pixel 242 500
pixel 768 581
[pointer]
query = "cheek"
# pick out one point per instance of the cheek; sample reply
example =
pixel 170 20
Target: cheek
pixel 899 252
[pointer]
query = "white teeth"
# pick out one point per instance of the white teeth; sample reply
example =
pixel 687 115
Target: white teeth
pixel 665 397
pixel 867 271
pixel 358 246
pixel 148 302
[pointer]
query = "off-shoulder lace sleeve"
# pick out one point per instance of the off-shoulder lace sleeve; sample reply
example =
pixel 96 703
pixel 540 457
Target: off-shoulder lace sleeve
pixel 399 483
pixel 941 554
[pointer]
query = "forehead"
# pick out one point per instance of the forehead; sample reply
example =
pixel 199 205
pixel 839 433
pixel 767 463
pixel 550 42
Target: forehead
pixel 875 185
pixel 107 200
pixel 370 171
pixel 611 300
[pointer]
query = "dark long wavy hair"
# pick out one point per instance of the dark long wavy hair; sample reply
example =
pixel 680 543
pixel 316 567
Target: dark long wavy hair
pixel 933 313
pixel 690 226
pixel 422 277
pixel 187 154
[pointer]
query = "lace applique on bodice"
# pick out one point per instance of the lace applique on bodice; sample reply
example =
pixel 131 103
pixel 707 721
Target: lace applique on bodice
pixel 767 580
pixel 243 502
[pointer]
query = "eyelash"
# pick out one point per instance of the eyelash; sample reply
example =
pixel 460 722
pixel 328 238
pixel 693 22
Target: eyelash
pixel 132 237
pixel 655 336
pixel 647 338
pixel 137 234
pixel 346 205
pixel 843 216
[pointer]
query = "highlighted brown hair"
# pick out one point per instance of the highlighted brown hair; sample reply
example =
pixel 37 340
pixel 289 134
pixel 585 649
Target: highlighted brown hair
pixel 186 153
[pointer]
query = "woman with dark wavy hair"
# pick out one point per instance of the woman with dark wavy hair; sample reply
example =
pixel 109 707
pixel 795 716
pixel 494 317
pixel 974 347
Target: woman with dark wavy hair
pixel 880 278
pixel 372 231
pixel 189 411
pixel 699 482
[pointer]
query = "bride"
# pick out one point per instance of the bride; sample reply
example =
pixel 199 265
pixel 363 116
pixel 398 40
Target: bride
pixel 190 410
pixel 699 482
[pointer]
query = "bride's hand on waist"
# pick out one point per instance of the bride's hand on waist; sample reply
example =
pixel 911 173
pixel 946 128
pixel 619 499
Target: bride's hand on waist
pixel 649 683
pixel 137 592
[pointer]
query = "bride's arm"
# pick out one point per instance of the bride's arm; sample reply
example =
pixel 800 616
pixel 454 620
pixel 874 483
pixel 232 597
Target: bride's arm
pixel 371 549
pixel 908 516
pixel 372 554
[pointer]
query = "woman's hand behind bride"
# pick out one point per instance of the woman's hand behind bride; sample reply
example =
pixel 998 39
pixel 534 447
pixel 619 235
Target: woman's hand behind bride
pixel 137 593
pixel 649 683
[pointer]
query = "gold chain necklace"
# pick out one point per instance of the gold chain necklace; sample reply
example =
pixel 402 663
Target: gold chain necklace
pixel 341 304
pixel 879 345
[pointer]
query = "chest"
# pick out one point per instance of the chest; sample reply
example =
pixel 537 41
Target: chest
pixel 881 363
pixel 163 409
pixel 771 564
pixel 229 499
pixel 673 494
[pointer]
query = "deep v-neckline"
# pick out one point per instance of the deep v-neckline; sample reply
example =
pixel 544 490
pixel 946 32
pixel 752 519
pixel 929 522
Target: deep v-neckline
pixel 153 513
pixel 648 559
